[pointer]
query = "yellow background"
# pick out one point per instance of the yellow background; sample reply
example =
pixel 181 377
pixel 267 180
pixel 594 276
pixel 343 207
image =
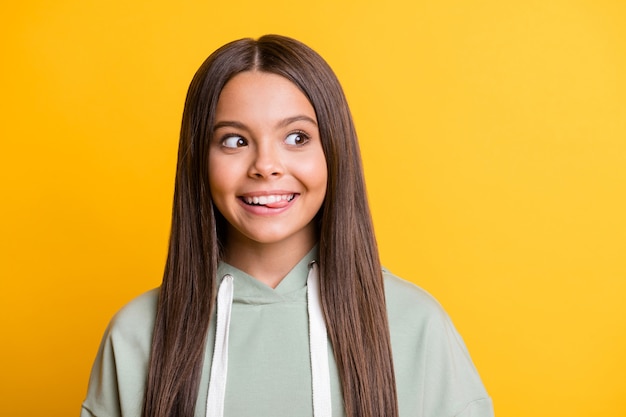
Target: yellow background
pixel 494 141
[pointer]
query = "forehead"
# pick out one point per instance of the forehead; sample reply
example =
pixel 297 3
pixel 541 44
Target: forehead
pixel 262 95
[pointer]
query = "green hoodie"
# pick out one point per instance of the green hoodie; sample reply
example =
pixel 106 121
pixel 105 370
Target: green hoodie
pixel 269 364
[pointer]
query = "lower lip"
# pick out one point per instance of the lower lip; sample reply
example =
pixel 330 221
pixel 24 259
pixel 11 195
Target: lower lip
pixel 267 211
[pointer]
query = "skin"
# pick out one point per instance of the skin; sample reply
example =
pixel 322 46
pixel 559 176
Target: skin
pixel 267 173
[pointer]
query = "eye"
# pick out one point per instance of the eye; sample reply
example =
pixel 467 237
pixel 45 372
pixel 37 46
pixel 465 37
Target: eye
pixel 297 138
pixel 234 142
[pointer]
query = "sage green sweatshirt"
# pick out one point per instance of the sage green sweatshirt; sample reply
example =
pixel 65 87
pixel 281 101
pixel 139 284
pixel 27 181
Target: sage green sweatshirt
pixel 269 361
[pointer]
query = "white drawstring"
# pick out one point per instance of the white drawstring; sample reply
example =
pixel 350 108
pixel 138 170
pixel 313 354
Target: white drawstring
pixel 317 339
pixel 219 365
pixel 319 348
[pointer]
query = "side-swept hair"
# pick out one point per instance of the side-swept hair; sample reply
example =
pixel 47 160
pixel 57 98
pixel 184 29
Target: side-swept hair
pixel 351 281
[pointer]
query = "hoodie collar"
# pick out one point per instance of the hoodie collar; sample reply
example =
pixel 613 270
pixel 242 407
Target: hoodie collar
pixel 249 290
pixel 320 379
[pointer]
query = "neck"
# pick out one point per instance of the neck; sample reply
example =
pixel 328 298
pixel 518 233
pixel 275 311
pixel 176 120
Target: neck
pixel 267 262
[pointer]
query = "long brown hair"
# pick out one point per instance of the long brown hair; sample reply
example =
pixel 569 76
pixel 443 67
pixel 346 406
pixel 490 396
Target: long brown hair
pixel 351 282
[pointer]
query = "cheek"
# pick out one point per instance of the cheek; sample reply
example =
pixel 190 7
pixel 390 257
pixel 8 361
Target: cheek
pixel 315 172
pixel 219 175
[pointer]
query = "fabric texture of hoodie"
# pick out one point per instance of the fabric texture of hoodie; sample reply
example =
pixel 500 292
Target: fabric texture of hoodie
pixel 269 360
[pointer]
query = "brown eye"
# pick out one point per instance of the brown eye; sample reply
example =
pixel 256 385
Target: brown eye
pixel 296 139
pixel 234 142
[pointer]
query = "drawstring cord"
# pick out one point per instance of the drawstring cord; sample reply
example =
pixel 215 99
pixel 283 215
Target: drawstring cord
pixel 318 345
pixel 219 366
pixel 320 376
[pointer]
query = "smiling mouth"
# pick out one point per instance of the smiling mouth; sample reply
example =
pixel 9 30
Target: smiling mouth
pixel 264 200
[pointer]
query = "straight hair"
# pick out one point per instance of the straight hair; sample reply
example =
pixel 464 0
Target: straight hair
pixel 351 283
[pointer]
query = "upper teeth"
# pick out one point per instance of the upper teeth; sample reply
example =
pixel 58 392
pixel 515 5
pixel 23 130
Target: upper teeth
pixel 268 199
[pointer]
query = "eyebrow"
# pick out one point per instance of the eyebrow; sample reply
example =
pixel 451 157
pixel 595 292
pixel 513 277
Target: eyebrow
pixel 290 120
pixel 220 125
pixel 285 122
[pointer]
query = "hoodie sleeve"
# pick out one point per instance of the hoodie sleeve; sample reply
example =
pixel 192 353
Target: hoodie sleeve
pixel 118 376
pixel 103 392
pixel 435 375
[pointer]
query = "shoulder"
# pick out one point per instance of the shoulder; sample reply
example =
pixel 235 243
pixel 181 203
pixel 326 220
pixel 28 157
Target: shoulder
pixel 141 307
pixel 135 321
pixel 434 371
pixel 415 316
pixel 118 375
pixel 403 290
pixel 408 301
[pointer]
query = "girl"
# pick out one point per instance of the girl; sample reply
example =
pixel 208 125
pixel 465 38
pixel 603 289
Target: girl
pixel 273 301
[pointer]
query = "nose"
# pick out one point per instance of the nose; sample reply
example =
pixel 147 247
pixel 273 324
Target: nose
pixel 267 162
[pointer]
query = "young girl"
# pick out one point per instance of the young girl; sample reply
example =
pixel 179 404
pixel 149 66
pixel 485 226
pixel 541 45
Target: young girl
pixel 273 301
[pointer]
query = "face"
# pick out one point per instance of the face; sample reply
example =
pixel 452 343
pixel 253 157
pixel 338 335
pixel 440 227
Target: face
pixel 267 170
